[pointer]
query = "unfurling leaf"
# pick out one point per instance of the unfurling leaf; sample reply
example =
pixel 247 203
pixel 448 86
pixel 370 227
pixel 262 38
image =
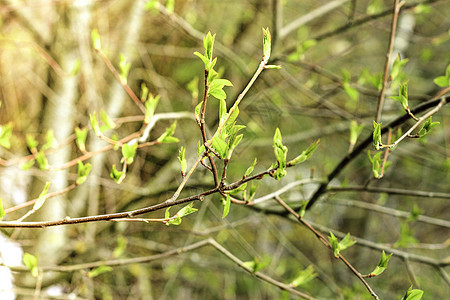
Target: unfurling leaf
pixel 305 154
pixel 96 39
pixel 128 152
pixel 182 159
pixel 376 163
pixel 377 135
pixel 402 96
pixel 266 44
pixel 382 265
pixel 30 261
pixel 427 126
pixel 443 81
pixel 167 137
pixel 124 68
pixel 226 207
pixel 397 66
pixel 5 135
pixel 150 107
pixel 280 153
pixel 81 135
pixel 116 175
pixel 254 265
pixel 99 270
pixel 304 276
pixel 107 122
pixel 334 244
pixel 250 169
pixel 411 294
pixel 355 130
pixel 83 172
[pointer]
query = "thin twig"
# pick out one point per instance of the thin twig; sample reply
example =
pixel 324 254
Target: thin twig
pixel 327 243
pixel 387 63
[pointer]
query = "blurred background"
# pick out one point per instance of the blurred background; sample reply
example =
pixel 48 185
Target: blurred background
pixel 332 55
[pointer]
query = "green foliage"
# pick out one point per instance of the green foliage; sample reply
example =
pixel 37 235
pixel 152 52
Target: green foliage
pixel 226 207
pixel 280 153
pixel 96 40
pixel 255 265
pixel 32 143
pixel 397 67
pixel 443 81
pixel 182 159
pixel 337 246
pixel 376 164
pixel 375 7
pixel 382 265
pixel 304 276
pixel 42 161
pixel 2 210
pixel 406 237
pixel 116 175
pixel 99 270
pixel 267 48
pixel 351 91
pixel 128 152
pixel 305 154
pixel 121 246
pixel 402 96
pixel 124 68
pixel 5 135
pixel 167 137
pixel 377 135
pixel 94 123
pixel 251 168
pixel 30 261
pixel 83 172
pixel 412 294
pixel 80 138
pixel 42 197
pixel 150 107
pixel 107 122
pixel 301 48
pixel 374 80
pixel 176 219
pixel 355 131
pixel 427 126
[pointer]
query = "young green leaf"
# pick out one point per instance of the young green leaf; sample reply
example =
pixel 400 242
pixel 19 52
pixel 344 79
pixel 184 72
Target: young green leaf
pixel 94 124
pixel 204 59
pixel 382 265
pixel 376 163
pixel 107 122
pixel 83 172
pixel 346 242
pixel 116 175
pixel 351 91
pixel 427 126
pixel 280 153
pixel 304 276
pixel 232 144
pixel 415 213
pixel 187 210
pixel 406 237
pixel 377 135
pixel 200 148
pixel 32 143
pixel 266 44
pixel 252 192
pixel 50 141
pixel 443 81
pixel 99 270
pixel 128 152
pixel 170 6
pixel 302 209
pixel 167 137
pixel 254 265
pixel 96 39
pixel 208 43
pixel 150 107
pixel 397 66
pixel 276 67
pixel 413 294
pixel 402 96
pixel 220 145
pixel 334 244
pixel 355 131
pixel 226 207
pixel 30 261
pixel 239 189
pixel 42 197
pixel 121 245
pixel 2 210
pixel 216 88
pixel 305 154
pixel 197 111
pixel 124 68
pixel 182 159
pixel 81 135
pixel 42 160
pixel 5 135
pixel 27 165
pixel 251 168
pixel 167 213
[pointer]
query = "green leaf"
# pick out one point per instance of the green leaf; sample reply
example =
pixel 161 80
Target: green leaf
pixel 355 131
pixel 255 265
pixel 427 126
pixel 413 294
pixel 334 244
pixel 415 213
pixel 251 168
pixel 27 165
pixel 377 135
pixel 187 210
pixel 170 6
pixel 406 237
pixel 305 154
pixel 32 143
pixel 50 141
pixel 42 197
pixel 30 261
pixel 443 81
pixel 275 67
pixel 266 44
pixel 346 242
pixel 375 7
pixel 96 39
pixel 397 66
pixel 200 148
pixel 280 153
pixel 208 43
pixel 81 135
pixel 107 122
pixel 220 145
pixel 151 5
pixel 252 192
pixel 226 207
pixel 83 172
pixel 197 111
pixel 124 68
pixel 382 265
pixel 167 137
pixel 232 144
pixel 128 152
pixel 376 163
pixel 115 174
pixel 182 159
pixel 94 124
pixel 374 80
pixel 302 209
pixel 2 210
pixel 5 135
pixel 121 246
pixel 42 160
pixel 304 276
pixel 239 189
pixel 402 95
pixel 351 91
pixel 99 270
